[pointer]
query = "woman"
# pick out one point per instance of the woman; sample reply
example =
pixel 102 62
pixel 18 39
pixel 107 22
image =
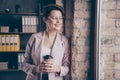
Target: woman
pixel 49 42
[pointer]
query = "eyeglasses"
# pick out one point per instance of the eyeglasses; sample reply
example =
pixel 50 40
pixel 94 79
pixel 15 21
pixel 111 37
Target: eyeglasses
pixel 56 18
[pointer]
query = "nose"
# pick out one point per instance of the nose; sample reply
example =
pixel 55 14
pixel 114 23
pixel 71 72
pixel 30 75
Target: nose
pixel 59 20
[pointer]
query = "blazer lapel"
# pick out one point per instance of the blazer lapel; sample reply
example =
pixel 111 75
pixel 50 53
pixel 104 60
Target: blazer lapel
pixel 38 47
pixel 57 50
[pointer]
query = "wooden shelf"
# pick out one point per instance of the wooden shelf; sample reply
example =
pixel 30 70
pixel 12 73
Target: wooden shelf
pixel 16 32
pixel 21 51
pixel 10 70
pixel 1 13
pixel 33 14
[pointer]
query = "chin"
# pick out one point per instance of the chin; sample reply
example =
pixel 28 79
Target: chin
pixel 58 29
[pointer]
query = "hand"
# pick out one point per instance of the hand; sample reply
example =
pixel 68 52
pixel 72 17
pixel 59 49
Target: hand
pixel 39 68
pixel 49 66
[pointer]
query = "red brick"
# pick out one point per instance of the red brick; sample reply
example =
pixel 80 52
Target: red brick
pixel 118 14
pixel 117 57
pixel 117 74
pixel 117 24
pixel 112 14
pixel 109 66
pixel 109 57
pixel 118 4
pixel 107 23
pixel 82 14
pixel 109 74
pixel 82 5
pixel 109 31
pixel 107 41
pixel 109 4
pixel 83 66
pixel 117 40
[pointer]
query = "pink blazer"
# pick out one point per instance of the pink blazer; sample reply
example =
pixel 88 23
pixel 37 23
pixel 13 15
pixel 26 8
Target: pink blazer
pixel 60 53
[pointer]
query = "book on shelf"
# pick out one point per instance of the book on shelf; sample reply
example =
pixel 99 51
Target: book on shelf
pixel 0 43
pixel 12 42
pixel 9 42
pixel 20 60
pixel 3 65
pixel 16 42
pixel 4 28
pixel 3 43
pixel 29 23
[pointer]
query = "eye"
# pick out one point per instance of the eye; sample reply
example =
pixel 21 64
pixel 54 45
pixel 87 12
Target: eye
pixel 54 18
pixel 61 18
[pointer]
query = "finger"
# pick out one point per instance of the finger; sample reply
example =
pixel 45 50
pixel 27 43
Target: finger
pixel 50 69
pixel 42 65
pixel 48 65
pixel 40 68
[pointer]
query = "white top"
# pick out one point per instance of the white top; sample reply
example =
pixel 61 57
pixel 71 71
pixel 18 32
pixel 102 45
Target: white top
pixel 46 51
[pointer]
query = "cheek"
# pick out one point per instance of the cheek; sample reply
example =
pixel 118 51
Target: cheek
pixel 48 23
pixel 51 22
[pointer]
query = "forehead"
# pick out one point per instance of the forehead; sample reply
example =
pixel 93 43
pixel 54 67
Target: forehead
pixel 55 12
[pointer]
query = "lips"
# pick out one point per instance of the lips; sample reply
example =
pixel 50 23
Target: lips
pixel 58 24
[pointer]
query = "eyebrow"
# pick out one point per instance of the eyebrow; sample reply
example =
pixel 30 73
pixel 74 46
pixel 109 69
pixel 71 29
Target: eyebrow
pixel 56 16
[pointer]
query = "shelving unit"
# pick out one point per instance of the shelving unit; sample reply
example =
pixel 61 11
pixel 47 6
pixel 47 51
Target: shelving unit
pixel 13 20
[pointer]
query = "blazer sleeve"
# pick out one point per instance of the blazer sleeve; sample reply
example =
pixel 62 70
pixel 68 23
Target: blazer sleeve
pixel 66 58
pixel 27 65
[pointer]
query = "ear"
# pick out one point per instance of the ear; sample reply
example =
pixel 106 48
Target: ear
pixel 44 19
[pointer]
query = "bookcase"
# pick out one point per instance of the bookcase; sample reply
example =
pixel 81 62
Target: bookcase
pixel 19 19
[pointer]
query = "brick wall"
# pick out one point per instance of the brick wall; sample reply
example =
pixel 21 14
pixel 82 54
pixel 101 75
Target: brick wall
pixel 80 39
pixel 110 40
